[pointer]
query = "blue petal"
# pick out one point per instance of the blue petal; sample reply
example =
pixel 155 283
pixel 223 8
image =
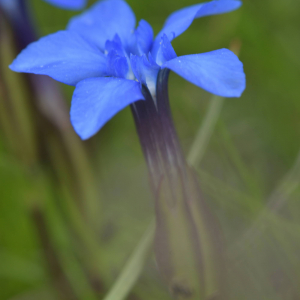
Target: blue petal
pixel 144 36
pixel 64 56
pixel 136 63
pixel 103 21
pixel 145 70
pixel 68 4
pixel 115 45
pixel 117 65
pixel 165 51
pixel 219 72
pixel 96 100
pixel 179 21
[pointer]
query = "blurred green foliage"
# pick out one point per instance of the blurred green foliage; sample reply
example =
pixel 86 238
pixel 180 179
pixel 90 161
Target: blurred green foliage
pixel 249 173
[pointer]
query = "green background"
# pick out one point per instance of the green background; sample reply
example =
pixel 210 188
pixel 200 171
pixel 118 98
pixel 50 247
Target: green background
pixel 249 173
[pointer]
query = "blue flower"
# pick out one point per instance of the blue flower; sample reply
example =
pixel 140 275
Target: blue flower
pixel 108 60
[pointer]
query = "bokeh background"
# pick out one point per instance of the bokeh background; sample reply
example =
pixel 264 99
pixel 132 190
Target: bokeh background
pixel 72 212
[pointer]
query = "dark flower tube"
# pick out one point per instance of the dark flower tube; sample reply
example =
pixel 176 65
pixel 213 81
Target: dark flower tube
pixel 188 244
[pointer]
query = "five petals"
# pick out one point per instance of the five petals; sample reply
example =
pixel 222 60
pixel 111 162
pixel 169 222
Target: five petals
pixel 100 48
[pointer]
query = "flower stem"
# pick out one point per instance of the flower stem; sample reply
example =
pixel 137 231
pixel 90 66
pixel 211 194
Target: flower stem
pixel 131 272
pixel 133 267
pixel 187 240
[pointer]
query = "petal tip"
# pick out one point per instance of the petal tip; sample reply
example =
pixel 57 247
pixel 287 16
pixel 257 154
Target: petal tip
pixel 17 67
pixel 11 67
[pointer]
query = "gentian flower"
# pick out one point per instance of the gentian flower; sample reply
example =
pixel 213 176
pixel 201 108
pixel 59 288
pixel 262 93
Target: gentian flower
pixel 113 65
pixel 108 61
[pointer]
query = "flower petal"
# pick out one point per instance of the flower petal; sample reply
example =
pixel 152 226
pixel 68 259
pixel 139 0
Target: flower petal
pixel 96 100
pixel 116 45
pixel 144 35
pixel 117 66
pixel 165 51
pixel 64 56
pixel 103 21
pixel 68 4
pixel 219 72
pixel 180 20
pixel 145 70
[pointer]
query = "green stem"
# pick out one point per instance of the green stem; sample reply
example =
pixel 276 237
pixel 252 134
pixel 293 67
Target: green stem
pixel 205 131
pixel 275 202
pixel 133 267
pixel 238 162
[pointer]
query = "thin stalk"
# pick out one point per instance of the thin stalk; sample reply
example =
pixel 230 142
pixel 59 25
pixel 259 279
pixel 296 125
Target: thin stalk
pixel 289 183
pixel 134 266
pixel 205 131
pixel 238 162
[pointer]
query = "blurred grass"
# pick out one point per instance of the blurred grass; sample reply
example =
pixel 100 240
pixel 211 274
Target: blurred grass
pixel 256 142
